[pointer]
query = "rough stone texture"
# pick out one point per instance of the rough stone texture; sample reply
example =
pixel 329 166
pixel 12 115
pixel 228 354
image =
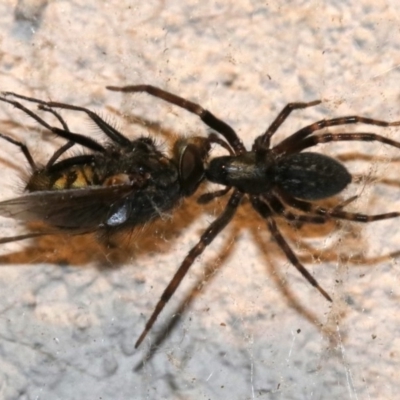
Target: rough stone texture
pixel 70 310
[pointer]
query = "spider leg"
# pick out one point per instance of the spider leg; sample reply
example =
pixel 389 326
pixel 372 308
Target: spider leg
pixel 301 220
pixel 213 138
pixel 293 139
pixel 263 141
pixel 346 202
pixel 206 238
pixel 73 137
pixel 336 212
pixel 339 137
pixel 206 116
pixel 279 208
pixel 264 210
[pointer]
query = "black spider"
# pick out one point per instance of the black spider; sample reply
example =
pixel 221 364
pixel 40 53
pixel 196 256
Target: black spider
pixel 126 183
pixel 273 178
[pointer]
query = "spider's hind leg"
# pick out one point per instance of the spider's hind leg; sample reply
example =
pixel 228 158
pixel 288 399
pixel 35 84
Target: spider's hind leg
pixel 265 211
pixel 337 212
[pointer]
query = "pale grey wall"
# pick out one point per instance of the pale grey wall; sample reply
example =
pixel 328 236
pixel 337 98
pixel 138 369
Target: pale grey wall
pixel 68 333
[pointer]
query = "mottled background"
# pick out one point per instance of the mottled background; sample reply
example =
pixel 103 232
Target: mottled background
pixel 71 310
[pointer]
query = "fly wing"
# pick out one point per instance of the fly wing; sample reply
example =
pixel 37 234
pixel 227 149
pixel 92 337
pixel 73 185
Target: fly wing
pixel 82 209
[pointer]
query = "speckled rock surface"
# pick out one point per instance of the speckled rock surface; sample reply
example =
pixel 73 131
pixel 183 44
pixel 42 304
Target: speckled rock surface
pixel 71 310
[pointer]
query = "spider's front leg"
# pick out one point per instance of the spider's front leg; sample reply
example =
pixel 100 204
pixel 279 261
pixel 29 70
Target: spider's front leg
pixel 264 210
pixel 291 144
pixel 263 141
pixel 206 116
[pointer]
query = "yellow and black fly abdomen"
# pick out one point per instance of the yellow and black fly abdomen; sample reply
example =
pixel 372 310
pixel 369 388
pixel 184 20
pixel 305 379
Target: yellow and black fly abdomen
pixel 117 186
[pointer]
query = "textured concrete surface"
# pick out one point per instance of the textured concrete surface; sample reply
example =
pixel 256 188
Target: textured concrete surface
pixel 71 310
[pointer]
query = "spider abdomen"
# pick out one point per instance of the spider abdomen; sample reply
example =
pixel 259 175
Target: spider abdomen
pixel 310 176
